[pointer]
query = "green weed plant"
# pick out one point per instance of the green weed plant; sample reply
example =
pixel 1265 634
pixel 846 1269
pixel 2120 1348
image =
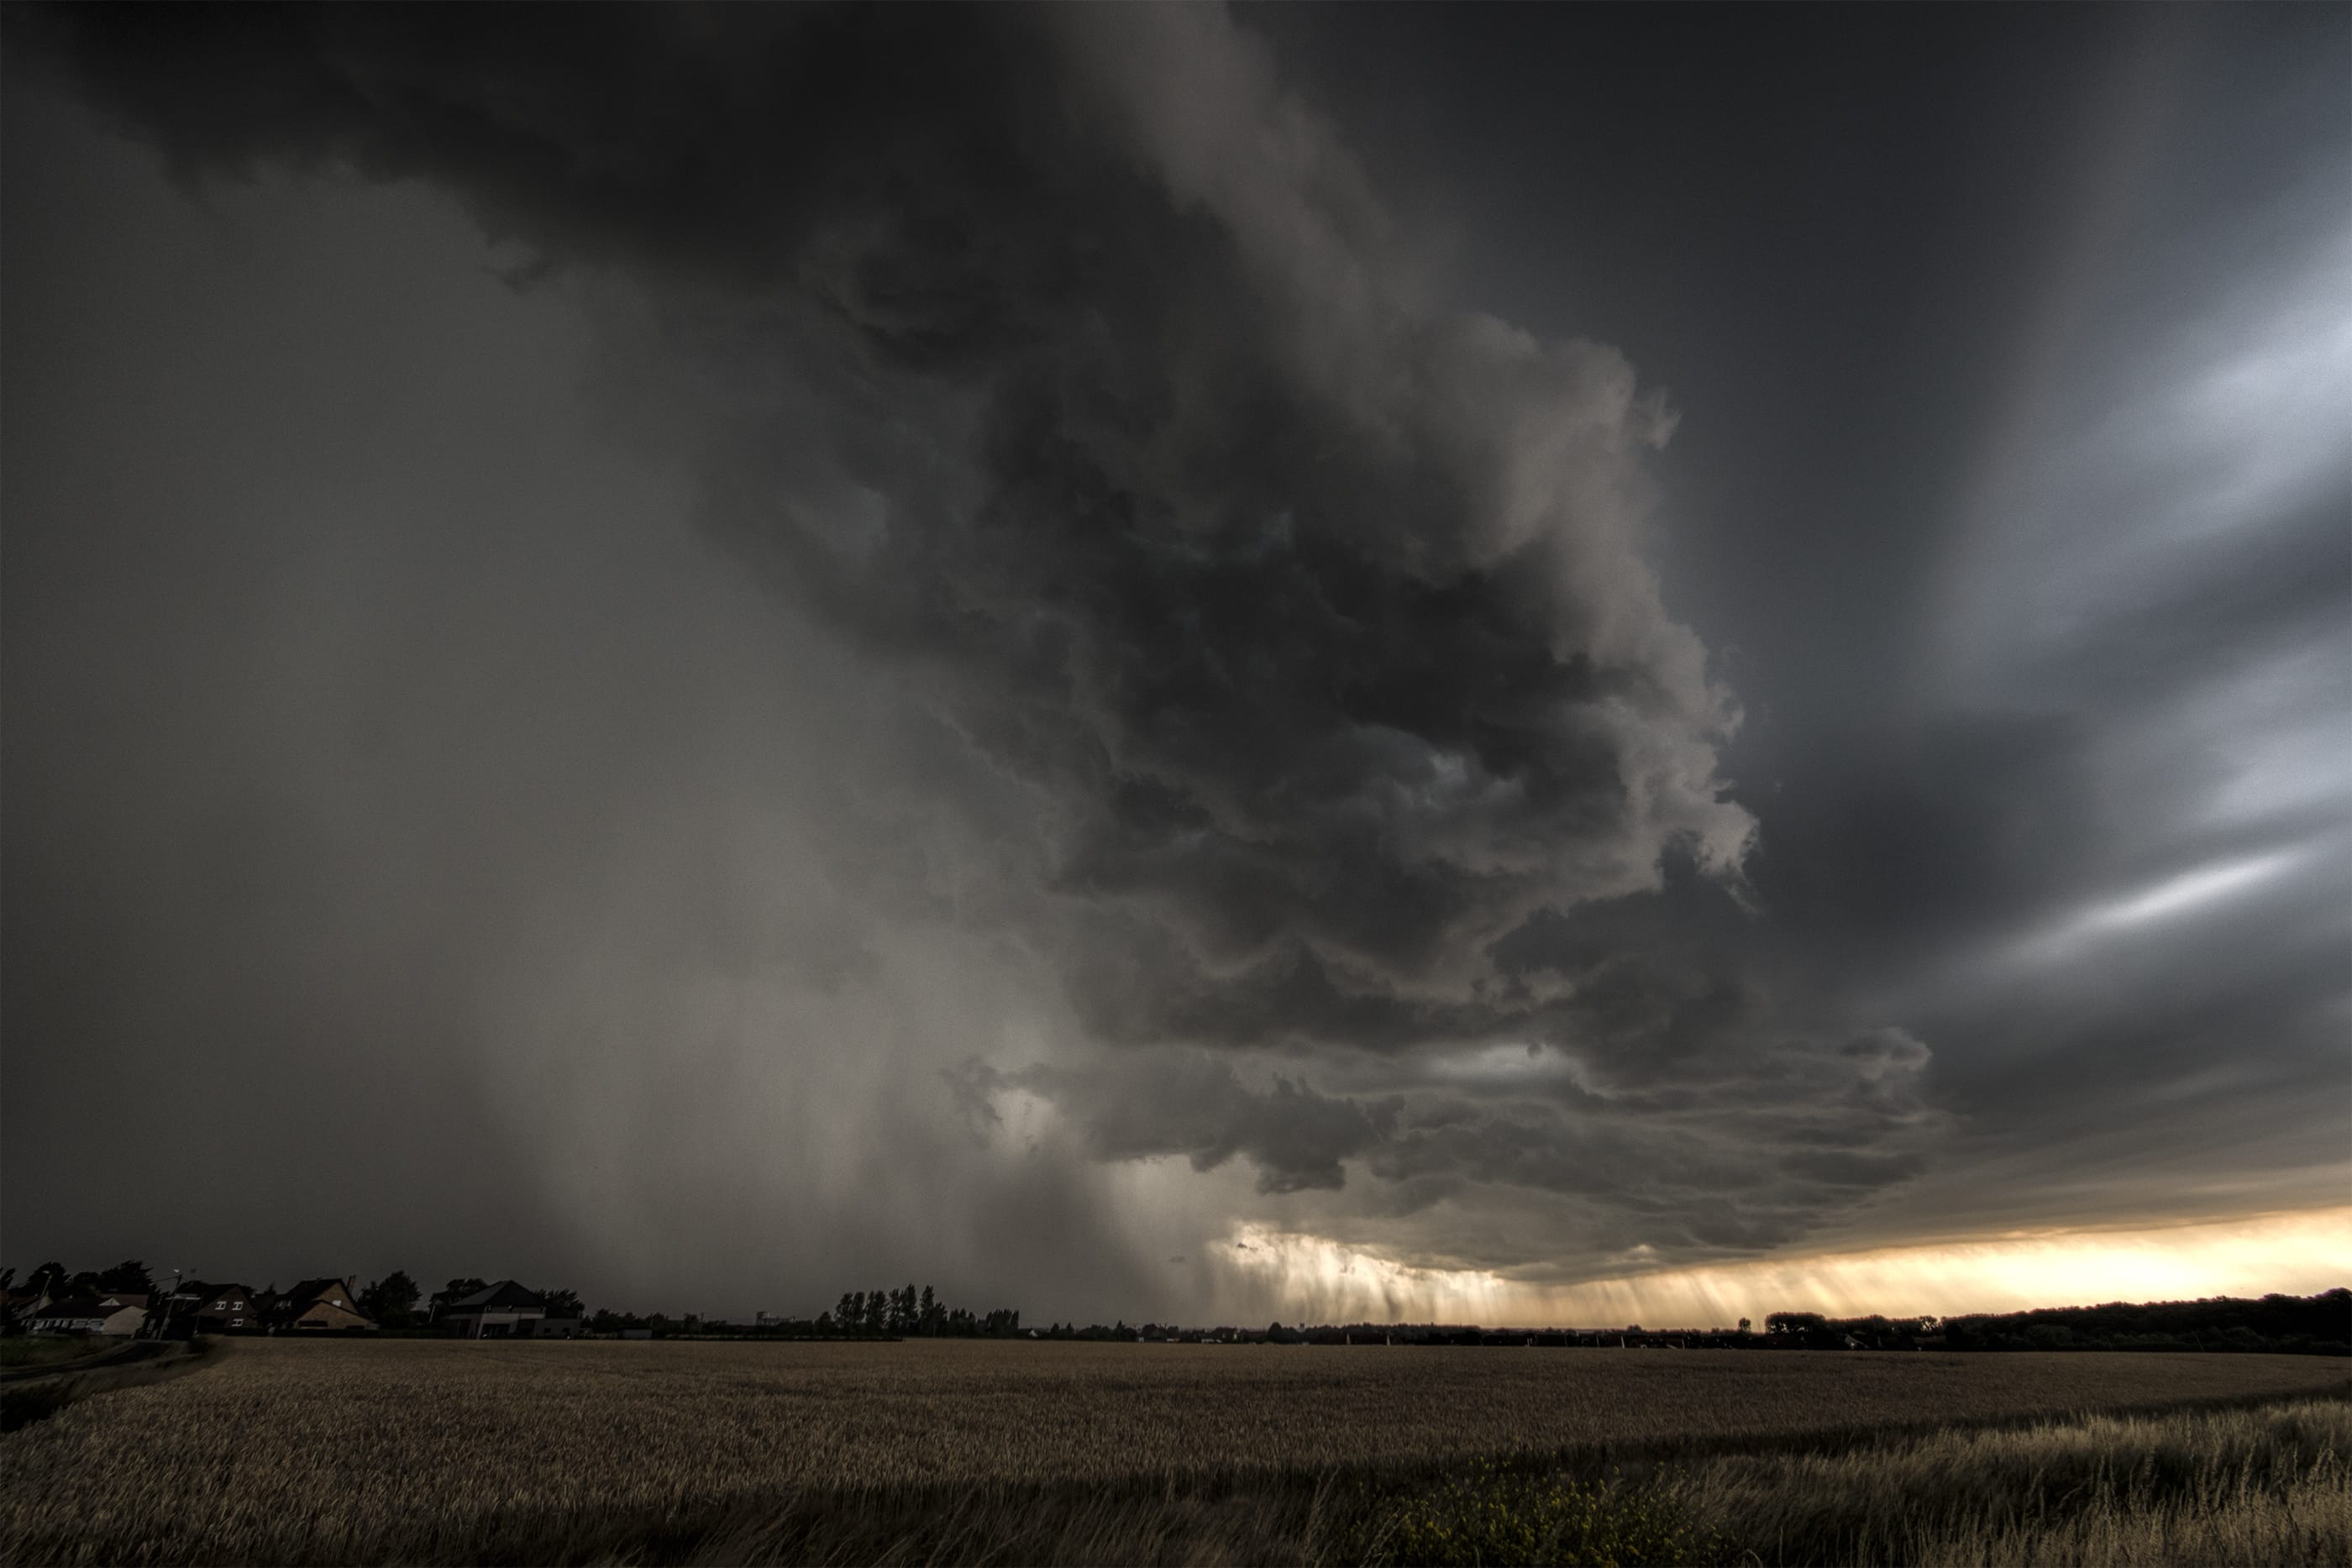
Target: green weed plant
pixel 1498 1516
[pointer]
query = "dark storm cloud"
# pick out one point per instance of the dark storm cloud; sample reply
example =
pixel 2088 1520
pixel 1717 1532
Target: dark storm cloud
pixel 1197 1107
pixel 1652 1080
pixel 1314 615
pixel 1746 1149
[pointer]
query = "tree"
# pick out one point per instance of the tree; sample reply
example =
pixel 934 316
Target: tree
pixel 130 1275
pixel 392 1301
pixel 930 1310
pixel 563 1304
pixel 50 1276
pixel 1744 1325
pixel 456 1291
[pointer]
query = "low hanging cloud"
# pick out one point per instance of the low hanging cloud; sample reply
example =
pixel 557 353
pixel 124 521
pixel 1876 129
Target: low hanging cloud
pixel 1065 365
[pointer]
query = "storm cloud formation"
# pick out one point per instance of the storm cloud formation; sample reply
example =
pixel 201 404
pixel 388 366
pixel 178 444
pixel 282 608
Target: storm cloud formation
pixel 1226 707
pixel 1314 617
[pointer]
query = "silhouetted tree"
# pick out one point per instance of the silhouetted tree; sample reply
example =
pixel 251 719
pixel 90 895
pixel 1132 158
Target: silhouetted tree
pixel 129 1275
pixel 392 1301
pixel 456 1291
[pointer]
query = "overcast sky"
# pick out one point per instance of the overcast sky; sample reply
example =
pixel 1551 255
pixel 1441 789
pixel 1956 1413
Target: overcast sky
pixel 723 655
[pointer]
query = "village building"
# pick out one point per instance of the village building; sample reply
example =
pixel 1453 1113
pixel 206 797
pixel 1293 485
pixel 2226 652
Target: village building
pixel 197 1307
pixel 505 1311
pixel 24 1303
pixel 316 1306
pixel 121 1314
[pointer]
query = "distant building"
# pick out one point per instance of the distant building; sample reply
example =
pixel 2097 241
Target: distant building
pixel 22 1304
pixel 316 1306
pixel 197 1307
pixel 117 1316
pixel 505 1311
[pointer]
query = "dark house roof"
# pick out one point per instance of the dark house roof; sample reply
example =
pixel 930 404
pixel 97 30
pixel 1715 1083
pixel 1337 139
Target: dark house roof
pixel 506 1296
pixel 310 1290
pixel 291 1304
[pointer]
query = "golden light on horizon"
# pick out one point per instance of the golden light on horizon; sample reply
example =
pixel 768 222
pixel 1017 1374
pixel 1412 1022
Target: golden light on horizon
pixel 2299 1253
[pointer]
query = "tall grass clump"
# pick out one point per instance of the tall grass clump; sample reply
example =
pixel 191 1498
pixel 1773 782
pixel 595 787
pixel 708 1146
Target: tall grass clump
pixel 2263 1486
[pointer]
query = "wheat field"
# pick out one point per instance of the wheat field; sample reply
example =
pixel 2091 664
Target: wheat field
pixel 420 1450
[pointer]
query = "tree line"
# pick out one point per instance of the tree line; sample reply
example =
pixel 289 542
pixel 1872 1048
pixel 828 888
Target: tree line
pixel 2278 1324
pixel 905 1313
pixel 130 1276
pixel 2319 1325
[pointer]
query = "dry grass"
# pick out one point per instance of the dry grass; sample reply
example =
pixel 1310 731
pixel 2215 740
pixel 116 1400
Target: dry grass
pixel 957 1451
pixel 2260 1486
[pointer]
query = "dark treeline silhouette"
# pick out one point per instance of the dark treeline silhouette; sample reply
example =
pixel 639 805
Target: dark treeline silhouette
pixel 903 1313
pixel 2292 1325
pixel 2309 1325
pixel 130 1275
pixel 2304 1325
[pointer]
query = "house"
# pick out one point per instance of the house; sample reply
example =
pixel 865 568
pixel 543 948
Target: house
pixel 26 1301
pixel 90 1317
pixel 505 1311
pixel 316 1306
pixel 197 1307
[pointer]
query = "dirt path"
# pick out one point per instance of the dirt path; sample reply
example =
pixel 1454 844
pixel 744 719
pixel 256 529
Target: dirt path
pixel 36 1392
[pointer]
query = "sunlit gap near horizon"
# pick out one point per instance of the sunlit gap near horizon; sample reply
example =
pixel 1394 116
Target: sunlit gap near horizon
pixel 2305 1252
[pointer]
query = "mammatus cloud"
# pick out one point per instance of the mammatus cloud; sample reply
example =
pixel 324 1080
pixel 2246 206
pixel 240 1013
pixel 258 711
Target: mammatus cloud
pixel 1064 365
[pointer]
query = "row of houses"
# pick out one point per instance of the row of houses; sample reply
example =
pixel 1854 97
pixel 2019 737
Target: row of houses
pixel 326 1305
